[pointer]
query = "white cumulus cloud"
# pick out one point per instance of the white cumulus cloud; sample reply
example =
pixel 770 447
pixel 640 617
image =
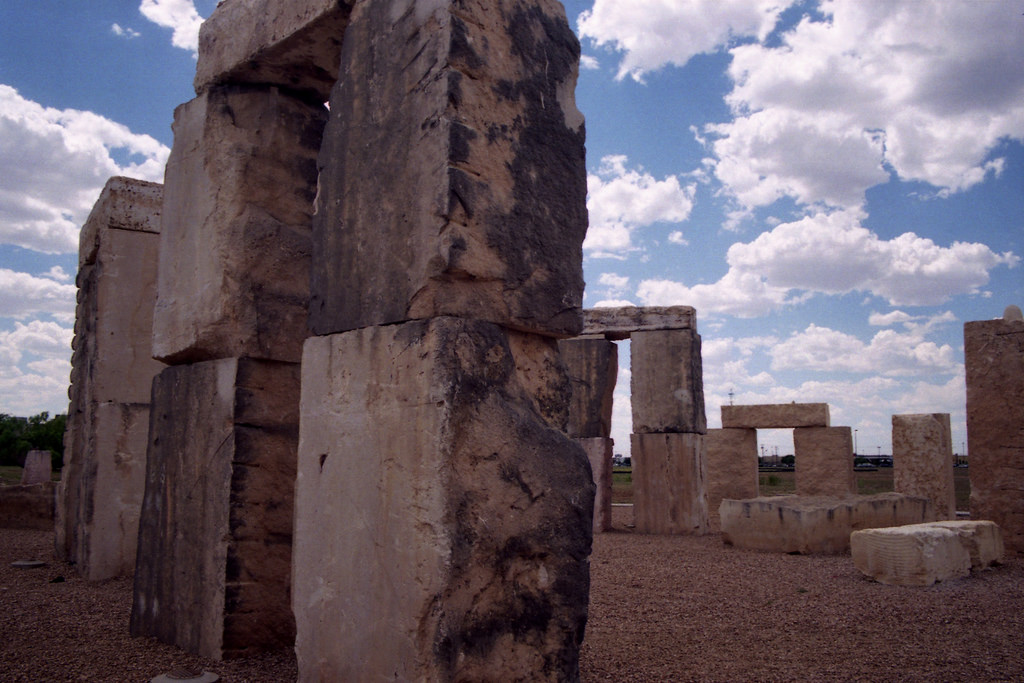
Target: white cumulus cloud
pixel 23 295
pixel 178 15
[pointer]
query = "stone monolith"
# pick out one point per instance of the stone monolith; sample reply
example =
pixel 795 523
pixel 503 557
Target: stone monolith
pixel 922 455
pixel 731 456
pixel 599 453
pixel 666 382
pixel 38 468
pixel 824 461
pixel 669 483
pixel 593 367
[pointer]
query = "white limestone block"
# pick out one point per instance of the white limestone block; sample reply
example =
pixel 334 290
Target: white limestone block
pixel 913 555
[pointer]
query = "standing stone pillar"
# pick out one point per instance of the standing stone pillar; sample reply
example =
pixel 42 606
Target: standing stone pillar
pixel 994 363
pixel 732 468
pixel 593 366
pixel 443 517
pixel 824 461
pixel 922 454
pixel 668 448
pixel 103 478
pixel 38 468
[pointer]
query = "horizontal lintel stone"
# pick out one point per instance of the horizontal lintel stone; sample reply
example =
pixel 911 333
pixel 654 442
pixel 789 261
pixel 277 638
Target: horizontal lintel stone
pixel 619 323
pixel 775 416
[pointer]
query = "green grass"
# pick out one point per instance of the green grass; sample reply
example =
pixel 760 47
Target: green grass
pixel 11 474
pixel 622 484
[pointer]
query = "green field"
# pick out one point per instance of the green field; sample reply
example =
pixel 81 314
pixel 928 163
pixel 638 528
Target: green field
pixel 11 474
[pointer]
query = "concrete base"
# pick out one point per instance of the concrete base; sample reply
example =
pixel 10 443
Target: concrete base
pixel 815 524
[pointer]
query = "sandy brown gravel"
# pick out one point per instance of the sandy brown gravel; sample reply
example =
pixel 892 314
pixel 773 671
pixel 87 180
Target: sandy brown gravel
pixel 663 608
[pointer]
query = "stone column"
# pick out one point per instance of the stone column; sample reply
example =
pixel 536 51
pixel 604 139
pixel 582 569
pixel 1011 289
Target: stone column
pixel 38 468
pixel 669 486
pixel 599 453
pixel 994 363
pixel 731 468
pixel 102 481
pixel 824 461
pixel 922 453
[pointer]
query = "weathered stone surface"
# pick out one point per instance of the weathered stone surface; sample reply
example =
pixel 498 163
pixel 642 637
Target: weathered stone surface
pixel 669 483
pixel 38 468
pixel 922 450
pixel 295 44
pixel 27 507
pixel 103 476
pixel 914 555
pixel 814 524
pixel 994 364
pixel 599 453
pixel 731 468
pixel 824 461
pixel 667 382
pixel 775 416
pixel 982 539
pixel 453 177
pixel 214 553
pixel 620 323
pixel 593 367
pixel 443 519
pixel 235 239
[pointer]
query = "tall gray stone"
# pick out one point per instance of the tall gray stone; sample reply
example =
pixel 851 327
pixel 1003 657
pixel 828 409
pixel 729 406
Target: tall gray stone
pixel 593 366
pixel 669 483
pixel 452 174
pixel 443 518
pixel 667 383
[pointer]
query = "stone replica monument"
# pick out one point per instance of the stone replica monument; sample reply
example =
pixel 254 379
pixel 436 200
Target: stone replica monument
pixel 443 517
pixel 100 491
pixel 38 468
pixel 922 451
pixel 732 468
pixel 994 364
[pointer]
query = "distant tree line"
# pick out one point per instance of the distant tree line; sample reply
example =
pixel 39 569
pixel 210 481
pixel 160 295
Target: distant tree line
pixel 19 435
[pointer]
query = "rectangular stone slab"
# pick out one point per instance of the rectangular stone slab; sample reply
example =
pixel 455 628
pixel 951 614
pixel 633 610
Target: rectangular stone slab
pixel 982 538
pixel 443 518
pixel 824 461
pixel 213 570
pixel 913 555
pixel 667 382
pixel 620 323
pixel 669 483
pixel 922 454
pixel 775 416
pixel 593 366
pixel 452 174
pixel 731 468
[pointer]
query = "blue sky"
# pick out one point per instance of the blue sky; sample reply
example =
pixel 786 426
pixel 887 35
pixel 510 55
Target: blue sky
pixel 835 186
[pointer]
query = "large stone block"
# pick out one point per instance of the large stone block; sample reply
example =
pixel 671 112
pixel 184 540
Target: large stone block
pixel 593 367
pixel 452 175
pixel 982 538
pixel 914 555
pixel 235 241
pixel 922 450
pixel 38 468
pixel 731 468
pixel 994 364
pixel 620 323
pixel 775 416
pixel 669 483
pixel 599 453
pixel 824 461
pixel 667 382
pixel 814 524
pixel 295 44
pixel 213 569
pixel 443 518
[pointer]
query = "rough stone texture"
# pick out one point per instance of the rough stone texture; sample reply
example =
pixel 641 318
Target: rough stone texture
pixel 667 382
pixel 824 461
pixel 295 44
pixel 481 211
pixel 982 538
pixel 815 524
pixel 593 367
pixel 620 323
pixel 669 483
pixel 775 416
pixel 922 449
pixel 731 456
pixel 599 453
pixel 214 555
pixel 994 363
pixel 913 555
pixel 103 476
pixel 27 507
pixel 38 468
pixel 443 519
pixel 235 241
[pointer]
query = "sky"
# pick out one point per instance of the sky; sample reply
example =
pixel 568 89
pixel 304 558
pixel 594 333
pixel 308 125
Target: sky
pixel 836 186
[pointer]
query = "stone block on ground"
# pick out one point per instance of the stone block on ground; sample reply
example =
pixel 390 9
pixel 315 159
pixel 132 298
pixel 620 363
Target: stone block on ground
pixel 214 555
pixel 994 366
pixel 667 382
pixel 922 450
pixel 982 538
pixel 669 483
pixel 599 453
pixel 914 555
pixel 38 468
pixel 775 416
pixel 731 468
pixel 620 323
pixel 443 518
pixel 593 367
pixel 235 239
pixel 815 524
pixel 27 507
pixel 295 44
pixel 452 174
pixel 824 461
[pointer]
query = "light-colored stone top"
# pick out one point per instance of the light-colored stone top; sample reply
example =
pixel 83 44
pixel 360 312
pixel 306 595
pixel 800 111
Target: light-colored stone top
pixel 775 416
pixel 124 204
pixel 1012 312
pixel 618 323
pixel 294 44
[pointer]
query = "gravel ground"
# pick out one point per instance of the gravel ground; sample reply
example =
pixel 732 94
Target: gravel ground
pixel 663 608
